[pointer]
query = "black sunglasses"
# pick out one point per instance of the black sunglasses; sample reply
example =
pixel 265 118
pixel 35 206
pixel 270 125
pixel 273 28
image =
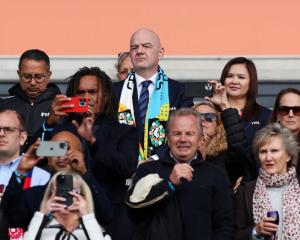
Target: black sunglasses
pixel 208 117
pixel 285 110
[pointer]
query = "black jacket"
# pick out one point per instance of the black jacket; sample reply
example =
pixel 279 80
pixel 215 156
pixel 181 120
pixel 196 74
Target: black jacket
pixel 35 113
pixel 200 209
pixel 233 160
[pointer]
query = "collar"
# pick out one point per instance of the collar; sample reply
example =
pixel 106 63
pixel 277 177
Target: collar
pixel 13 162
pixel 139 79
pixel 189 161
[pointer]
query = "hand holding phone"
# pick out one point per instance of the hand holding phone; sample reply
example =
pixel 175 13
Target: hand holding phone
pixel 80 105
pixel 52 149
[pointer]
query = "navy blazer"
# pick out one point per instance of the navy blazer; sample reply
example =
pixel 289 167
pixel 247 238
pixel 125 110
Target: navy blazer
pixel 176 97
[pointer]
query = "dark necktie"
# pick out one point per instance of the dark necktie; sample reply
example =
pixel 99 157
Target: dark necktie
pixel 144 100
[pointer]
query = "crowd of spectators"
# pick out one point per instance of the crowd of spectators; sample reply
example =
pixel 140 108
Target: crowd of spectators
pixel 143 161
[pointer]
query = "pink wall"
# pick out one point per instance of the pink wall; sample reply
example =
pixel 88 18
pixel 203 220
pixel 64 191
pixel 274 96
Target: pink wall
pixel 191 27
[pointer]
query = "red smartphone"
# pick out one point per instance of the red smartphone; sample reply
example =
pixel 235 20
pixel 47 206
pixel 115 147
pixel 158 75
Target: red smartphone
pixel 1 188
pixel 80 105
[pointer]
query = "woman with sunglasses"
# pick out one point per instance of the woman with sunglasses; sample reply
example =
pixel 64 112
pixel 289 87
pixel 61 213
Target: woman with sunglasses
pixel 287 111
pixel 56 220
pixel 223 137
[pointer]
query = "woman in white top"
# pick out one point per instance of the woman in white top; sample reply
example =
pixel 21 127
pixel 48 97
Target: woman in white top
pixel 56 220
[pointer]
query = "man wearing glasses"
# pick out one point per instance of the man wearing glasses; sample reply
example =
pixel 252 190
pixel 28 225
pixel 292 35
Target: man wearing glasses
pixel 33 95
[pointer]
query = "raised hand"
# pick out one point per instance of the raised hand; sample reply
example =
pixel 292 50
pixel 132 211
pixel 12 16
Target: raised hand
pixel 56 109
pixel 30 159
pixel 76 161
pixel 79 204
pixel 219 97
pixel 85 128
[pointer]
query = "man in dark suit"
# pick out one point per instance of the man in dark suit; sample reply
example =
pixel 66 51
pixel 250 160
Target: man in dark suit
pixel 147 95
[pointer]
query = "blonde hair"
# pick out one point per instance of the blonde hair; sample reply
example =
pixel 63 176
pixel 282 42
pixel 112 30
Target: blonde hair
pixel 265 135
pixel 218 142
pixel 77 181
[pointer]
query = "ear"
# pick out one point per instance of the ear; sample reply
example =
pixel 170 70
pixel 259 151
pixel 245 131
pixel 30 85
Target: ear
pixel 23 137
pixel 161 53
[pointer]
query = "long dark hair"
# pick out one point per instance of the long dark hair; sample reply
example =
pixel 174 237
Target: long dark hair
pixel 251 107
pixel 108 105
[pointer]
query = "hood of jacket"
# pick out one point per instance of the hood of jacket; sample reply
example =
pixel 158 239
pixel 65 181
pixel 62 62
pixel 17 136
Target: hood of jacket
pixel 50 92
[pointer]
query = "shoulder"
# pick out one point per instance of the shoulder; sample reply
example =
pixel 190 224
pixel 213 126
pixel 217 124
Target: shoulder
pixel 176 84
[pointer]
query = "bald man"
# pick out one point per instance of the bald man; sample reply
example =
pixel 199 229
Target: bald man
pixel 19 215
pixel 147 95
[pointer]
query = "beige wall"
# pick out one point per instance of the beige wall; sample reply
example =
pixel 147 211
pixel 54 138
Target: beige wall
pixel 191 27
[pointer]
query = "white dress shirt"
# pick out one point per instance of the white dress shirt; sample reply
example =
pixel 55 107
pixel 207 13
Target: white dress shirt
pixel 139 80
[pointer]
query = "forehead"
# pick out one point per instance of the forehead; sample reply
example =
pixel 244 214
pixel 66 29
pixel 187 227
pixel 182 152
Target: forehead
pixel 88 82
pixel 205 109
pixel 72 140
pixel 183 123
pixel 144 36
pixel 239 68
pixel 274 141
pixel 33 66
pixel 9 119
pixel 290 99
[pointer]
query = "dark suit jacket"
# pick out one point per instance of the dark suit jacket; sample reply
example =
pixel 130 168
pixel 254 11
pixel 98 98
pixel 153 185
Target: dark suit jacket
pixel 114 159
pixel 176 97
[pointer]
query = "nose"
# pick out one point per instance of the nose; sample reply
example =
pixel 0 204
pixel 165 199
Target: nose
pixel 291 113
pixel 2 133
pixel 235 80
pixel 34 81
pixel 140 50
pixel 183 138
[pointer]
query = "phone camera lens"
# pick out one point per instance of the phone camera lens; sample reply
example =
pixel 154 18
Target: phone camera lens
pixel 62 145
pixel 82 102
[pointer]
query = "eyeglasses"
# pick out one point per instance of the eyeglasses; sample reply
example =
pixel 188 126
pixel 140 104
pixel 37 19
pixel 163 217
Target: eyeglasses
pixel 285 110
pixel 37 77
pixel 208 117
pixel 10 130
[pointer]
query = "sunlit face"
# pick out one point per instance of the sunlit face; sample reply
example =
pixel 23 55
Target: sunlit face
pixel 89 88
pixel 273 156
pixel 145 51
pixel 184 137
pixel 237 82
pixel 10 141
pixel 33 88
pixel 62 163
pixel 209 127
pixel 125 68
pixel 290 120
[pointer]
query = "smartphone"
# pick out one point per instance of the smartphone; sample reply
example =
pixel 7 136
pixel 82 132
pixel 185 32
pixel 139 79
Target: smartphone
pixel 1 188
pixel 52 149
pixel 80 105
pixel 274 214
pixel 199 89
pixel 64 185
